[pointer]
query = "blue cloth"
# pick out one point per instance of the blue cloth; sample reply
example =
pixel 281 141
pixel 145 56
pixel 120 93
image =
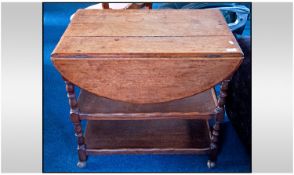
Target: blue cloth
pixel 60 147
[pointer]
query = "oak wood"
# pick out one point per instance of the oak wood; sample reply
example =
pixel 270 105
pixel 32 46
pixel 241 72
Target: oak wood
pixel 147 56
pixel 220 111
pixel 76 120
pixel 204 102
pixel 93 107
pixel 147 23
pixel 146 116
pixel 152 136
pixel 148 151
pixel 146 65
pixel 146 81
pixel 154 47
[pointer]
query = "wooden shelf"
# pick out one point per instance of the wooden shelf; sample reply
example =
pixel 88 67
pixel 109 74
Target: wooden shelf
pixel 152 136
pixel 113 127
pixel 200 106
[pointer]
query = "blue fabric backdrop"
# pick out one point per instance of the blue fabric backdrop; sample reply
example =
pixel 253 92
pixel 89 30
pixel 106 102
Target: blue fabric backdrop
pixel 59 151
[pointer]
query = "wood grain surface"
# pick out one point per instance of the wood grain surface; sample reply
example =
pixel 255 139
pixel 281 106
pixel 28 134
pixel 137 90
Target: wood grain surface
pixel 147 56
pixel 146 81
pixel 152 136
pixel 119 47
pixel 147 23
pixel 200 106
pixel 204 102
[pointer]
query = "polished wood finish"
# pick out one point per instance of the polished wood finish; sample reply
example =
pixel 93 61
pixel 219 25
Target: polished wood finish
pixel 152 136
pixel 204 102
pixel 70 88
pixel 200 106
pixel 145 77
pixel 145 81
pixel 219 110
pixel 186 48
pixel 160 23
pixel 113 53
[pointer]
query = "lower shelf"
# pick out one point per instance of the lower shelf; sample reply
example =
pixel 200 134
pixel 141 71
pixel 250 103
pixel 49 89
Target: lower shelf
pixel 150 136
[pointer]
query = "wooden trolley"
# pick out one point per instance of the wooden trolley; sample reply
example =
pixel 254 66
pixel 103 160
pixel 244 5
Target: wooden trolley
pixel 147 80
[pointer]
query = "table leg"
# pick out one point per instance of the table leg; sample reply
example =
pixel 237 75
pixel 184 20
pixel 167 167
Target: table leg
pixel 219 116
pixel 74 116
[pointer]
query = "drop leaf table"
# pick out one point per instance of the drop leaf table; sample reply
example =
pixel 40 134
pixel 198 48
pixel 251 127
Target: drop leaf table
pixel 147 80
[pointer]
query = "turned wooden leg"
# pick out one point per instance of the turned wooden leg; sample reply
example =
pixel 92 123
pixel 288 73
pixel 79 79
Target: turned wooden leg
pixel 74 116
pixel 219 116
pixel 215 138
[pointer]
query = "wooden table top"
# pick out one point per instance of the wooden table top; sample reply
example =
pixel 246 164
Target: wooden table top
pixel 147 33
pixel 147 56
